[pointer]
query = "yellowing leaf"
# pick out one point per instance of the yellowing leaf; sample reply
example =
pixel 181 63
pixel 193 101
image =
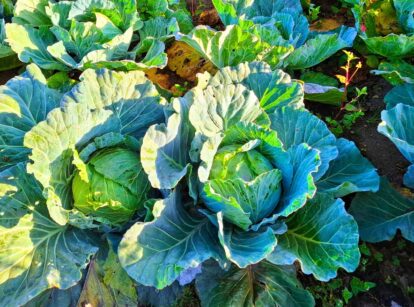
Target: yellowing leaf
pixel 186 62
pixel 326 24
pixel 341 78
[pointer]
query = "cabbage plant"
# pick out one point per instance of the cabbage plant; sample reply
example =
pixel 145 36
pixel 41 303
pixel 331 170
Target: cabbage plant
pixel 387 29
pixel 81 34
pixel 71 175
pixel 255 182
pixel 277 33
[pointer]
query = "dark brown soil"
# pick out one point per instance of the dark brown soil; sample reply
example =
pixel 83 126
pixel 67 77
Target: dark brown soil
pixel 7 75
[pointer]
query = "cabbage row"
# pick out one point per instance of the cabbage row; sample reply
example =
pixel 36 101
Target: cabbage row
pixel 113 194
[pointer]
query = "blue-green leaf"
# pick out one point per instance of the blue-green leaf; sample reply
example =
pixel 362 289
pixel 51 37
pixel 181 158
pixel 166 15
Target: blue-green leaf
pixel 245 247
pixel 25 101
pixel 320 48
pixel 396 72
pixel 350 172
pixel 264 284
pixel 244 203
pixel 391 46
pixel 380 215
pixel 300 126
pixel 298 184
pixel 156 253
pixel 322 236
pixel 234 46
pixel 216 109
pixel 409 177
pixel 397 126
pixel 403 93
pixel 165 148
pixel 405 11
pixel 37 254
pixel 31 45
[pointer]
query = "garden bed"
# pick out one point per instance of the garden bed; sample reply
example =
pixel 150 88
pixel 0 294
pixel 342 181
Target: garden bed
pixel 168 153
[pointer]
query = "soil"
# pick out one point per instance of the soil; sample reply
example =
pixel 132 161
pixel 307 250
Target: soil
pixel 7 75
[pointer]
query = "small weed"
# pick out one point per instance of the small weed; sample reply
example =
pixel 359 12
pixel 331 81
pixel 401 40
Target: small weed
pixel 351 108
pixel 313 12
pixel 379 257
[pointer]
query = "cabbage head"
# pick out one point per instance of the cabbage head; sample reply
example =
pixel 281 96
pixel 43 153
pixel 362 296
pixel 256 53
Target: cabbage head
pixel 110 188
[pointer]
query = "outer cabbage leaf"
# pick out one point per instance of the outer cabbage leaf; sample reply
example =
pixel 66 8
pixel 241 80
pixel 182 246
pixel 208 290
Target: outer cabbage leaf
pixel 405 10
pixel 385 27
pixel 397 126
pixel 156 253
pixel 391 46
pixel 396 72
pixel 409 177
pixel 322 236
pixel 350 172
pixel 123 13
pixel 25 101
pixel 54 297
pixel 162 298
pixel 380 215
pixel 164 153
pixel 280 23
pixel 322 88
pixel 299 185
pixel 273 88
pixel 230 11
pixel 318 49
pixel 403 93
pixel 264 284
pixel 130 96
pixel 245 247
pixel 8 59
pixel 300 126
pixel 220 47
pixel 31 12
pixel 89 34
pixel 37 254
pixel 31 45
